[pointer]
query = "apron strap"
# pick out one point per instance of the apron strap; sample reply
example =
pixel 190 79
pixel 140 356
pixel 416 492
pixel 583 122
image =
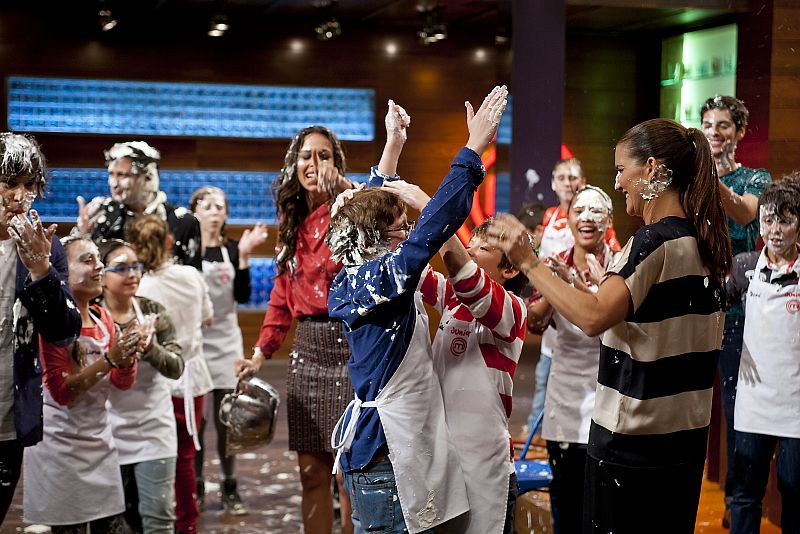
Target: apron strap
pixel 348 433
pixel 189 413
pixel 225 256
pixel 103 341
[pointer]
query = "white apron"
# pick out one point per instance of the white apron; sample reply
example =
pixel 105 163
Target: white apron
pixel 484 445
pixel 555 239
pixel 772 323
pixel 142 418
pixel 430 482
pixel 571 385
pixel 72 476
pixel 222 341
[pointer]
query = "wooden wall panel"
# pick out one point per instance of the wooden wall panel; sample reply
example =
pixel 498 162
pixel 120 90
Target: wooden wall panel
pixel 611 85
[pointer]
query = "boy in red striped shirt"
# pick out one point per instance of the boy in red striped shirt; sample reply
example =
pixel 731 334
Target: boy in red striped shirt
pixel 475 352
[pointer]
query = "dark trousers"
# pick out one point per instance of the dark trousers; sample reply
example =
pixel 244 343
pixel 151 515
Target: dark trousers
pixel 226 462
pixel 513 493
pixel 729 356
pixel 634 500
pixel 185 486
pixel 10 467
pixel 568 463
pixel 753 459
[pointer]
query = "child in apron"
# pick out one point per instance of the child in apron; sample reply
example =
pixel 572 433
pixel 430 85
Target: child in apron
pixel 767 410
pixel 475 352
pixel 182 291
pixel 576 357
pixel 72 476
pixel 399 461
pixel 227 275
pixel 142 421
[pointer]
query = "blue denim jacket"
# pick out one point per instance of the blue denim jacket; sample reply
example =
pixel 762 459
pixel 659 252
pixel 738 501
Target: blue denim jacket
pixel 47 309
pixel 375 300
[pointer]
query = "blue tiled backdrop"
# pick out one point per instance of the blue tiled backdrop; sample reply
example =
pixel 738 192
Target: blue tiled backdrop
pixel 185 109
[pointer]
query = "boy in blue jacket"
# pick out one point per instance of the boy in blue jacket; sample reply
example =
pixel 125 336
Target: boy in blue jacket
pixel 34 265
pixel 398 459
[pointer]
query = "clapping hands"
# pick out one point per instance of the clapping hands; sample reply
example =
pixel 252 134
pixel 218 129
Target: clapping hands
pixel 126 345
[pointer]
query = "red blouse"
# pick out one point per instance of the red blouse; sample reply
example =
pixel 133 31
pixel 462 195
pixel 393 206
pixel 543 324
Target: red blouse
pixel 304 291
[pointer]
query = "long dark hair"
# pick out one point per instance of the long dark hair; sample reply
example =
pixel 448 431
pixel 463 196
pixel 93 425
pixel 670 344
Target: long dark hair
pixel 289 195
pixel 686 152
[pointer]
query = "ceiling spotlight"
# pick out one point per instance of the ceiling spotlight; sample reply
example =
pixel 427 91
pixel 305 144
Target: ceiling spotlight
pixel 434 28
pixel 329 29
pixel 218 25
pixel 501 39
pixel 106 19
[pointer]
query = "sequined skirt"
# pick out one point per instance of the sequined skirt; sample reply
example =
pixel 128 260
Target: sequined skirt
pixel 318 386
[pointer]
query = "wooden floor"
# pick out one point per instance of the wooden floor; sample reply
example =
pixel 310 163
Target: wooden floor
pixel 269 481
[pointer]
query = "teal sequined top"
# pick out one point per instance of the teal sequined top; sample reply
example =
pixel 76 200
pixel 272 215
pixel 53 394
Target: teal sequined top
pixel 743 238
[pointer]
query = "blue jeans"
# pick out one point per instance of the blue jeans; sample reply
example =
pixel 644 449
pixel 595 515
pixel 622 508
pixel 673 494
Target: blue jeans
pixel 729 356
pixel 753 459
pixel 373 495
pixel 542 374
pixel 154 483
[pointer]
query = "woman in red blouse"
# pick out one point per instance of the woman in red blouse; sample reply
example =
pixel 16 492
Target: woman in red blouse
pixel 318 386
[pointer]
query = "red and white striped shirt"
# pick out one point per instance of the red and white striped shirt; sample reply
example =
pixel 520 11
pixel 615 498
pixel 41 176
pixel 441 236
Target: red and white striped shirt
pixel 480 319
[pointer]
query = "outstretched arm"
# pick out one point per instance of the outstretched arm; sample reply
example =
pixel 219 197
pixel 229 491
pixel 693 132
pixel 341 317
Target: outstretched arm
pixel 592 313
pixel 397 122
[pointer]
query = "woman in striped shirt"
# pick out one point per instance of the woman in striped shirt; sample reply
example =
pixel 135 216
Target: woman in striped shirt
pixel 659 310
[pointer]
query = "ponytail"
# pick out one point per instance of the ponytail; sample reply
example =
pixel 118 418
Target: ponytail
pixel 703 205
pixel 687 154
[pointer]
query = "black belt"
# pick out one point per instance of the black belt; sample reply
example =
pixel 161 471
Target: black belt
pixel 322 318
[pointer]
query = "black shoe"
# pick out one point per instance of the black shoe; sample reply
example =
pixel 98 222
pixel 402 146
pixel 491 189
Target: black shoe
pixel 231 502
pixel 201 493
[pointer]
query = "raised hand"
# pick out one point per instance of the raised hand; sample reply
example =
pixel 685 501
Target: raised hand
pixel 397 121
pixel 483 124
pixel 88 213
pixel 410 193
pixel 727 156
pixel 329 181
pixel 252 239
pixel 33 242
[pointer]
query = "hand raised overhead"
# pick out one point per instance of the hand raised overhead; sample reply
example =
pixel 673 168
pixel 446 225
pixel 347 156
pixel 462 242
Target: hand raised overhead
pixel 397 121
pixel 483 124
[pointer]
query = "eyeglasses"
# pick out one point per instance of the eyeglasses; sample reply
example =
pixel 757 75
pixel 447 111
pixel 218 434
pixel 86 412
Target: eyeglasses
pixel 126 269
pixel 407 228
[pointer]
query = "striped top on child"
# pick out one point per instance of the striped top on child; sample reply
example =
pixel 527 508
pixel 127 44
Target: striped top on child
pixel 478 316
pixel 657 367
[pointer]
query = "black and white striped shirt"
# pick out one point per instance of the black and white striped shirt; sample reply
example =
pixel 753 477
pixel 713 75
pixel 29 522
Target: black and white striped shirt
pixel 657 367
